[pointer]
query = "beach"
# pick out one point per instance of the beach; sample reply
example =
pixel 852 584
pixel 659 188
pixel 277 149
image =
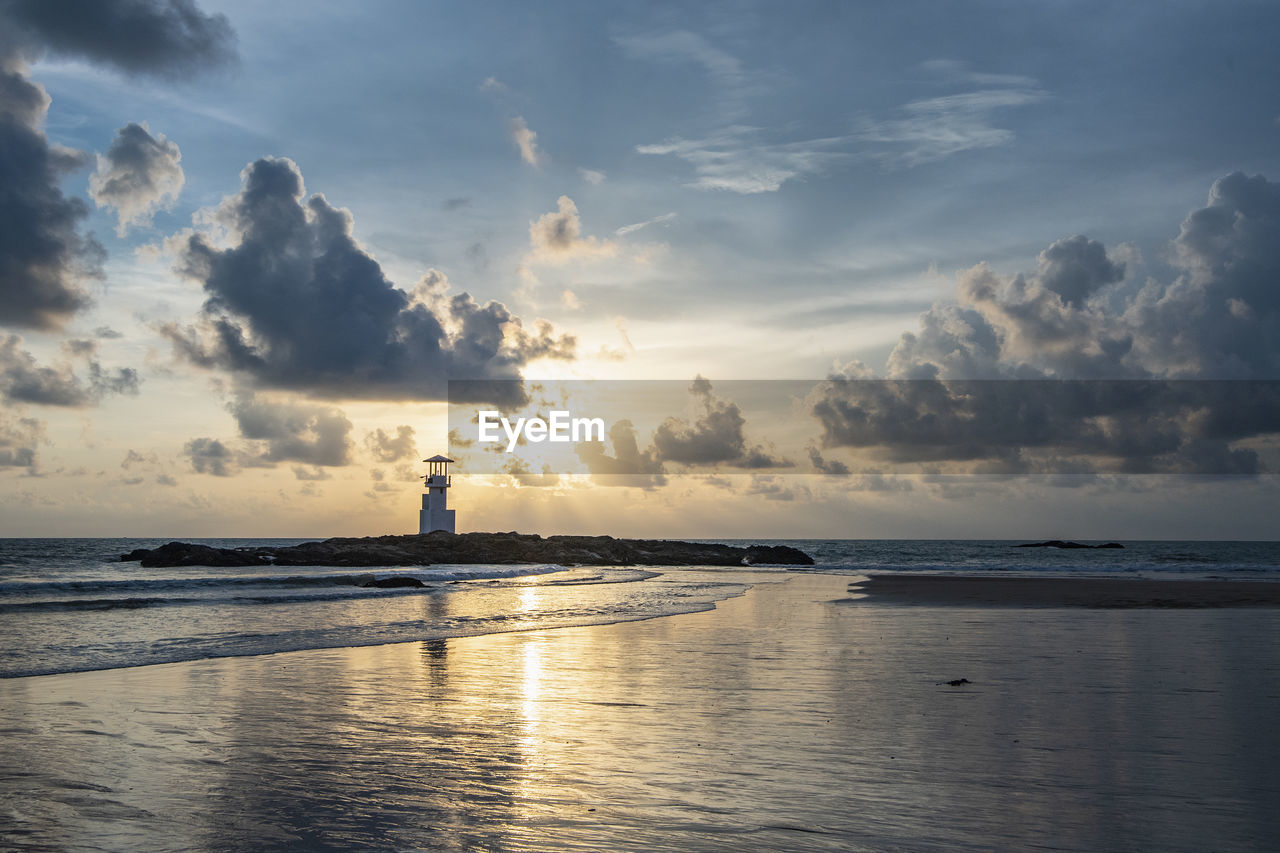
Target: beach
pixel 787 718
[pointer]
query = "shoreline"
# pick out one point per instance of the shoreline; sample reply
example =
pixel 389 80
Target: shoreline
pixel 776 720
pixel 1092 592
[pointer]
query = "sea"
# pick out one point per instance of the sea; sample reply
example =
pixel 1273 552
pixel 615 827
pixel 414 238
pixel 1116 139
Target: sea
pixel 71 605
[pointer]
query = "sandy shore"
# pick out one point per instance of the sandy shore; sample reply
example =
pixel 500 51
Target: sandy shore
pixel 779 721
pixel 986 591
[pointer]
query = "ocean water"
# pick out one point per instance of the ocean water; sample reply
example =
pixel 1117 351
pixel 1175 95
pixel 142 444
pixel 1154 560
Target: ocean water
pixel 70 605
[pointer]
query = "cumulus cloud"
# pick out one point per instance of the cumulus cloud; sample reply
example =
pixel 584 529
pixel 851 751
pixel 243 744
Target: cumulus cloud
pixel 293 432
pixel 44 259
pixel 526 140
pixel 276 431
pixel 24 380
pixel 714 437
pixel 139 174
pixel 1155 359
pixel 165 37
pixel 294 302
pixel 556 237
pixel 389 448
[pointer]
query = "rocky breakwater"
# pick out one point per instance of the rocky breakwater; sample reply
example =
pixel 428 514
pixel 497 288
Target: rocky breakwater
pixel 465 548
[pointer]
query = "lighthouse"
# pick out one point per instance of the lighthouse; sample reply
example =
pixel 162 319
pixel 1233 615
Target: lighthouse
pixel 435 515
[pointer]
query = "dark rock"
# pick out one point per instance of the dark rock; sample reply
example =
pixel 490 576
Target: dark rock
pixel 958 682
pixel 393 583
pixel 777 555
pixel 499 548
pixel 187 554
pixel 1058 543
pixel 135 555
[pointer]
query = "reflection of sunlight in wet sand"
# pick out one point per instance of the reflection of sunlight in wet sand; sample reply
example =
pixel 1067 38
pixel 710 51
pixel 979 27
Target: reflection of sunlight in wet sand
pixel 529 740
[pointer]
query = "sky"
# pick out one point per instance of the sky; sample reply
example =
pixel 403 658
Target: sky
pixel 244 248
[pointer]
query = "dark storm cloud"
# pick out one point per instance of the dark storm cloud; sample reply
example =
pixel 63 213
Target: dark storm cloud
pixel 44 260
pixel 388 448
pixel 297 304
pixel 24 380
pixel 1051 426
pixel 1163 359
pixel 137 36
pixel 138 175
pixel 293 432
pixel 715 436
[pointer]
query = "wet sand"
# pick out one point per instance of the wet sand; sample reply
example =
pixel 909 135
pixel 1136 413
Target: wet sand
pixel 781 720
pixel 984 591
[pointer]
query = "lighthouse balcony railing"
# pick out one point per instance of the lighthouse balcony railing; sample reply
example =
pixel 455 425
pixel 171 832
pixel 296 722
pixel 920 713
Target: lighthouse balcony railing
pixel 439 480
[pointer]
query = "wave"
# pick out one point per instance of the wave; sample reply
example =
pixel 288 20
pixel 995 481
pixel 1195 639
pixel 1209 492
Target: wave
pixel 426 575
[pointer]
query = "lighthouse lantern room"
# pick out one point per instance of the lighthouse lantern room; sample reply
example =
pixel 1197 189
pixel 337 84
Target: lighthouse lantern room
pixel 435 514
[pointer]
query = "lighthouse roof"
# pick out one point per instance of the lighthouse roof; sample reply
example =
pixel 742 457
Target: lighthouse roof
pixel 438 458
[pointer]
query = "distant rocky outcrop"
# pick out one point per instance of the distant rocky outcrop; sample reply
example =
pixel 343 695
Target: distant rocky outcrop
pixel 1058 543
pixel 494 548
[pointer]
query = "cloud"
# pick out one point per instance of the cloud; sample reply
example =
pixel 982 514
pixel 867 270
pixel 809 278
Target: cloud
pixel 293 432
pixel 826 466
pixel 24 380
pixel 165 37
pixel 295 303
pixel 715 436
pixel 386 448
pixel 930 129
pixel 592 176
pixel 1178 376
pixel 210 456
pixel 19 438
pixel 772 489
pixel 557 237
pixel 276 431
pixel 746 160
pixel 44 259
pixel 636 226
pixel 139 174
pixel 686 46
pixel 519 471
pixel 628 466
pixel 526 140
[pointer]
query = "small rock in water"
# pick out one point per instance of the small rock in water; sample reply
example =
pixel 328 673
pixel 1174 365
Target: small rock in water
pixel 958 682
pixel 393 583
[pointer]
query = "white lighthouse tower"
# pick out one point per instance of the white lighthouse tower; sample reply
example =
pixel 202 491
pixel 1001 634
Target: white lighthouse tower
pixel 435 515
